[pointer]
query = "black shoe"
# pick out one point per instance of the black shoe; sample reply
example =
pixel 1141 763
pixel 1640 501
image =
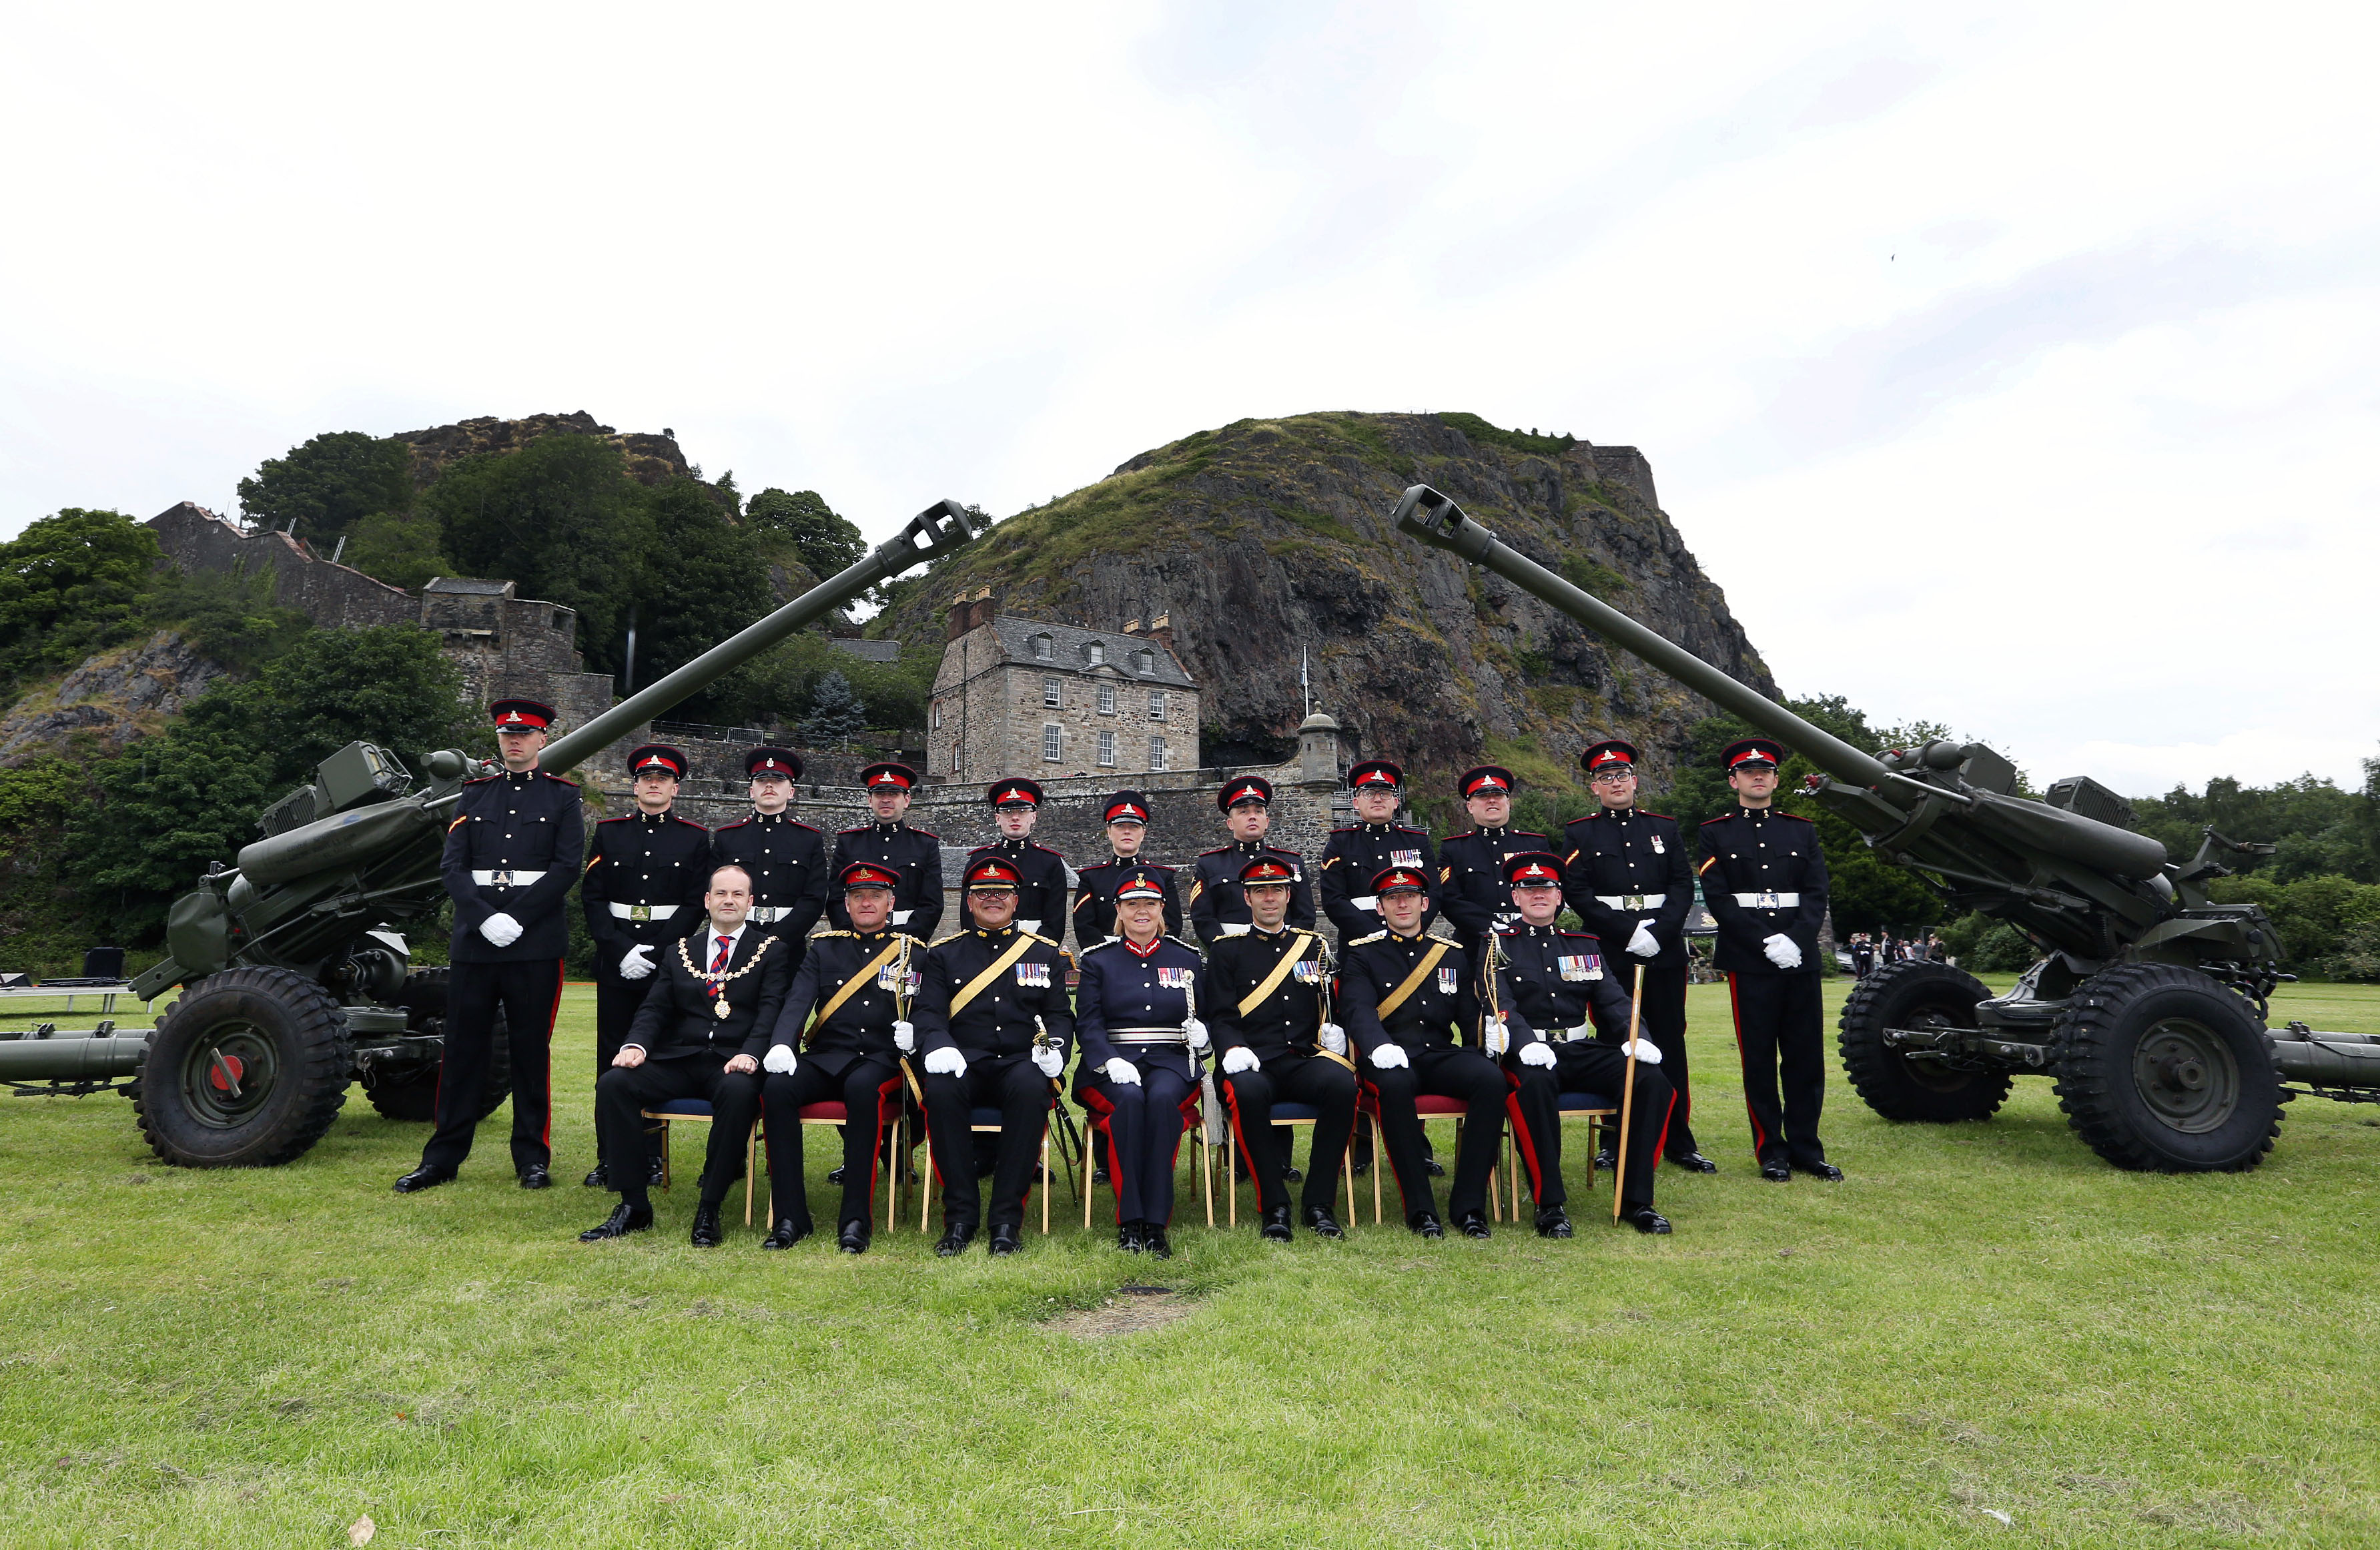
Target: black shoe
pixel 955 1239
pixel 1554 1222
pixel 1644 1218
pixel 1360 1166
pixel 1825 1170
pixel 1473 1224
pixel 656 1172
pixel 598 1178
pixel 537 1176
pixel 852 1239
pixel 1428 1225
pixel 1099 1176
pixel 706 1228
pixel 785 1234
pixel 1777 1173
pixel 1433 1168
pixel 1322 1224
pixel 1693 1162
pixel 834 1174
pixel 424 1178
pixel 1276 1225
pixel 1006 1240
pixel 1606 1159
pixel 1130 1239
pixel 1293 1175
pixel 1154 1232
pixel 624 1219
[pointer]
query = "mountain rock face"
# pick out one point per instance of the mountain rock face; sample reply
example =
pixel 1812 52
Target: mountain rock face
pixel 651 459
pixel 1267 536
pixel 114 695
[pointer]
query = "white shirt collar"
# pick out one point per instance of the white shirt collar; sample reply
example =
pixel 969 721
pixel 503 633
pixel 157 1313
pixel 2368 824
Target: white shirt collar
pixel 710 938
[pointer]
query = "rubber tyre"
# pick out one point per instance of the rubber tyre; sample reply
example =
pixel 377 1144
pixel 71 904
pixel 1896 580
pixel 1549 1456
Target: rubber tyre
pixel 1916 995
pixel 412 1095
pixel 285 1056
pixel 2145 1113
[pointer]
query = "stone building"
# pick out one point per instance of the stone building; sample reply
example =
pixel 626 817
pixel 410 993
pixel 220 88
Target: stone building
pixel 1028 696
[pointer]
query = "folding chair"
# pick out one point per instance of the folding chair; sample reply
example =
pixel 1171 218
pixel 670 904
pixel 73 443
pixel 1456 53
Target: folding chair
pixel 1430 1106
pixel 833 1111
pixel 1602 1116
pixel 983 1120
pixel 1194 1114
pixel 696 1111
pixel 1304 1114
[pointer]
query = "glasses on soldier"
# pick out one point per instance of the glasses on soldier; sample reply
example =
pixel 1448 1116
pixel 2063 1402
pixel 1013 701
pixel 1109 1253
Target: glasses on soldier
pixel 1613 775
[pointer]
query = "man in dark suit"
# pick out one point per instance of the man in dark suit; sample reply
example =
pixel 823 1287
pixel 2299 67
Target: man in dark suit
pixel 699 1035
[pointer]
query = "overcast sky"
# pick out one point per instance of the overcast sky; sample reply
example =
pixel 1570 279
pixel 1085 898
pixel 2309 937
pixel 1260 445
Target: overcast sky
pixel 2009 368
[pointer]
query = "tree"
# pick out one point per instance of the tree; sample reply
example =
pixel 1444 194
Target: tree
pixel 329 485
pixel 400 549
pixel 703 582
pixel 835 715
pixel 827 543
pixel 69 585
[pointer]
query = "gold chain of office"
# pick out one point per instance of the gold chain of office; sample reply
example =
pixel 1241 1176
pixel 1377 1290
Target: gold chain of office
pixel 720 1007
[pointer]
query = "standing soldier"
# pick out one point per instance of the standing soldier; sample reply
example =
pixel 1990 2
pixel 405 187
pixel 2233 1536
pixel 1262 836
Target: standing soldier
pixel 1041 872
pixel 1471 884
pixel 1363 850
pixel 1215 907
pixel 646 875
pixel 1765 880
pixel 913 857
pixel 1095 907
pixel 995 1021
pixel 1627 874
pixel 512 854
pixel 1565 1011
pixel 1277 1042
pixel 786 856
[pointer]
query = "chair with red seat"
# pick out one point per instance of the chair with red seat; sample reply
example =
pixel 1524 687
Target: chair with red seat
pixel 1194 1116
pixel 834 1112
pixel 1287 1113
pixel 1429 1105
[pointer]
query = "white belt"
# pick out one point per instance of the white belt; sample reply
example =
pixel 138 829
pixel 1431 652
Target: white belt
pixel 1147 1035
pixel 505 878
pixel 1369 902
pixel 763 914
pixel 1232 931
pixel 1767 900
pixel 1631 901
pixel 646 912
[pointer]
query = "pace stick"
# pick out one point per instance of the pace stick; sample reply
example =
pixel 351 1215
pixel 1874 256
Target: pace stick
pixel 1627 1097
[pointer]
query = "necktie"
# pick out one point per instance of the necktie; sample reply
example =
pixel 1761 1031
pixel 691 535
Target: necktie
pixel 719 962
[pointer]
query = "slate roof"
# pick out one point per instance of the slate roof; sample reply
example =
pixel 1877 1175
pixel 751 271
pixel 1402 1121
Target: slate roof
pixel 1067 644
pixel 471 585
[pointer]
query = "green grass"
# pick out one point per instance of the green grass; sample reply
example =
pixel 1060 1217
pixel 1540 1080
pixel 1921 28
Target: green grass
pixel 1982 1317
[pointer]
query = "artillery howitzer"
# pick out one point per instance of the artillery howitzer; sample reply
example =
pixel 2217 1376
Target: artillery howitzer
pixel 294 980
pixel 2148 1005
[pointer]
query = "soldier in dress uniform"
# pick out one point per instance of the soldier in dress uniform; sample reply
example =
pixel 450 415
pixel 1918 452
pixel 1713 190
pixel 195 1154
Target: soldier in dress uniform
pixel 1127 819
pixel 646 875
pixel 838 1039
pixel 1471 865
pixel 715 995
pixel 1135 1012
pixel 1362 849
pixel 1042 889
pixel 512 854
pixel 1272 1026
pixel 786 856
pixel 1410 1005
pixel 1765 883
pixel 1565 1014
pixel 913 857
pixel 1627 874
pixel 995 1022
pixel 1215 907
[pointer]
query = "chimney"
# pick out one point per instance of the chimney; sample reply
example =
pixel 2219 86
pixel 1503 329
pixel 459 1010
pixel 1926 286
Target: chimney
pixel 959 621
pixel 1132 627
pixel 982 612
pixel 1160 630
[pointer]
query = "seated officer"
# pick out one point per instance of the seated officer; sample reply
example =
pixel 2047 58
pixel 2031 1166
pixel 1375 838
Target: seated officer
pixel 848 1002
pixel 1556 993
pixel 995 1023
pixel 699 1035
pixel 1272 1028
pixel 1135 1011
pixel 1408 998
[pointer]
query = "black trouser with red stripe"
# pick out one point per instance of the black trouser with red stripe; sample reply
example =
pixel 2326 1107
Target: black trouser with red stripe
pixel 1778 1031
pixel 1443 1070
pixel 1664 1017
pixel 1248 1097
pixel 623 1093
pixel 1015 1086
pixel 859 1087
pixel 528 992
pixel 1592 1066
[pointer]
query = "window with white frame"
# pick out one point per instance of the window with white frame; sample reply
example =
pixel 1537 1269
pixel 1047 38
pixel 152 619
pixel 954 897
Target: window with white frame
pixel 1106 747
pixel 1107 699
pixel 1043 648
pixel 1157 705
pixel 938 715
pixel 1144 661
pixel 1053 691
pixel 1051 745
pixel 1156 754
pixel 1095 652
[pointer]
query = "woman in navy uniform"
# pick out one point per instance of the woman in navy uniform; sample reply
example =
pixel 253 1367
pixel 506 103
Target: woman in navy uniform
pixel 1135 1011
pixel 914 856
pixel 1471 888
pixel 1359 852
pixel 1565 1014
pixel 1627 874
pixel 1001 1049
pixel 512 854
pixel 1765 883
pixel 645 874
pixel 1127 819
pixel 1215 907
pixel 1041 872
pixel 786 856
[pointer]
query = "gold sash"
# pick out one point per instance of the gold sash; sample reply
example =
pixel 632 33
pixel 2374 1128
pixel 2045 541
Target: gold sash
pixel 977 986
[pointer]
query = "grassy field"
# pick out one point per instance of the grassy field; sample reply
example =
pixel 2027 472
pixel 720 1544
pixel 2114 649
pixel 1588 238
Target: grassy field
pixel 1986 1336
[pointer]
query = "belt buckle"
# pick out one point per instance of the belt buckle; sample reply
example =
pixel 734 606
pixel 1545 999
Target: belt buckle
pixel 500 879
pixel 1632 901
pixel 641 911
pixel 1767 901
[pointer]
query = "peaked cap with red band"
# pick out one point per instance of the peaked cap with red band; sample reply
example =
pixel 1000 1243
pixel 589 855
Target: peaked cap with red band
pixel 1533 869
pixel 1127 807
pixel 1019 793
pixel 1268 869
pixel 1247 788
pixel 774 761
pixel 655 756
pixel 1375 774
pixel 1609 754
pixel 1399 879
pixel 866 874
pixel 991 872
pixel 521 715
pixel 889 773
pixel 1140 883
pixel 1752 751
pixel 1486 779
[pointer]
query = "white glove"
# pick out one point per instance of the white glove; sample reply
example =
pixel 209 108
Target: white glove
pixel 1783 951
pixel 1334 1038
pixel 781 1059
pixel 1123 1071
pixel 638 962
pixel 1048 1062
pixel 1643 1051
pixel 1239 1057
pixel 501 930
pixel 1500 1037
pixel 1536 1054
pixel 945 1061
pixel 1642 944
pixel 901 917
pixel 904 1036
pixel 1197 1032
pixel 1032 925
pixel 1391 1057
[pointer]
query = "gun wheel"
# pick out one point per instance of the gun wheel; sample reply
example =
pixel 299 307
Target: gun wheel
pixel 2162 1070
pixel 247 1070
pixel 1906 1085
pixel 410 1093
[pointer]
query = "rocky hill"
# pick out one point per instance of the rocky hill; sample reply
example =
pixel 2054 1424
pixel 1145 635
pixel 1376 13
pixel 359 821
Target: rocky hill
pixel 651 459
pixel 1267 536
